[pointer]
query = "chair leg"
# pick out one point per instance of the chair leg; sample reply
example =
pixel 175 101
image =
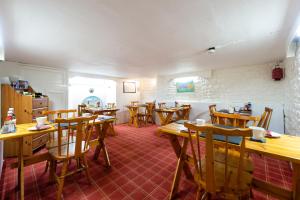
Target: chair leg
pixel 199 194
pixel 52 171
pixel 47 166
pixel 61 179
pixel 87 168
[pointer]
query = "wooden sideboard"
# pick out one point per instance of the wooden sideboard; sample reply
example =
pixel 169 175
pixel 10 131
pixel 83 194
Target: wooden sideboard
pixel 26 110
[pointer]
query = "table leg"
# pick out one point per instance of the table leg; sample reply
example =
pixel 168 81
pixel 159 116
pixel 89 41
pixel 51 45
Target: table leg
pixel 161 118
pixel 101 131
pixel 181 164
pixel 179 115
pixel 135 121
pixel 168 118
pixel 296 181
pixel 21 169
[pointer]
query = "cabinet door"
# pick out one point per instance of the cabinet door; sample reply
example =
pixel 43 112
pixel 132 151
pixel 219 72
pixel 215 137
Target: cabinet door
pixel 7 100
pixel 27 109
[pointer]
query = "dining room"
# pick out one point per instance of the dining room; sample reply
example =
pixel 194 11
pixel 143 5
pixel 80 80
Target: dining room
pixel 149 100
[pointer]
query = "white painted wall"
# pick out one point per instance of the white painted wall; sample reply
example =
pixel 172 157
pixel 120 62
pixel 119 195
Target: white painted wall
pixel 79 88
pixel 49 81
pixel 124 99
pixel 54 83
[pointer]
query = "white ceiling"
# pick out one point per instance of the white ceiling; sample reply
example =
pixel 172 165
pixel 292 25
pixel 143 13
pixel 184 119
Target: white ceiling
pixel 146 37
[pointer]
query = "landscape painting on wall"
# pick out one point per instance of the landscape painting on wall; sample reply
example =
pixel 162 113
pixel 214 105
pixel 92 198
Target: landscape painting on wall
pixel 185 86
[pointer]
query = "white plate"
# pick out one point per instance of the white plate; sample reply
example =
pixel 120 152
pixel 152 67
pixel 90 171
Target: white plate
pixel 273 134
pixel 35 128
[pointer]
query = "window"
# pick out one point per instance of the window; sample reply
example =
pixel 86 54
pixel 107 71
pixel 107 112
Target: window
pixel 82 87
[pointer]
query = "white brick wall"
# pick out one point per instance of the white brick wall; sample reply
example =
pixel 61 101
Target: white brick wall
pixel 292 95
pixel 239 84
pixel 230 86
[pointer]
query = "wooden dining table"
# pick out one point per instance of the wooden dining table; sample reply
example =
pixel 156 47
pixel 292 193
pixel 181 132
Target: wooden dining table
pixel 104 111
pixel 166 114
pixel 22 131
pixel 286 148
pixel 133 114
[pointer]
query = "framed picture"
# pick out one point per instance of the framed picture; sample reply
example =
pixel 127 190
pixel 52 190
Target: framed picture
pixel 185 87
pixel 129 87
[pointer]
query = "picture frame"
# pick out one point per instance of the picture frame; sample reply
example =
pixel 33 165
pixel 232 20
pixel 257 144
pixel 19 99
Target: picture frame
pixel 129 87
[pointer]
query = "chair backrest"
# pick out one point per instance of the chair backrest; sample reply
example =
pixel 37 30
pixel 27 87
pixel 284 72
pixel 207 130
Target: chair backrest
pixel 187 109
pixel 134 103
pixel 81 109
pixel 84 128
pixel 235 119
pixel 55 114
pixel 162 105
pixel 265 118
pixel 111 105
pixel 212 109
pixel 209 180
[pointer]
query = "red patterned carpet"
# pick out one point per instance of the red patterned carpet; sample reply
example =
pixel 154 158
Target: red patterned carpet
pixel 143 166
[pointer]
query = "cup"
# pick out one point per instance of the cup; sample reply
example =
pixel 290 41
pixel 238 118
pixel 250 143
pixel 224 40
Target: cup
pixel 258 132
pixel 200 122
pixel 41 121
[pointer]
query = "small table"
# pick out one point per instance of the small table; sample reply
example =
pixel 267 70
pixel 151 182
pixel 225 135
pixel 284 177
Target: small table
pixel 105 111
pixel 166 114
pixel 285 148
pixel 22 131
pixel 133 114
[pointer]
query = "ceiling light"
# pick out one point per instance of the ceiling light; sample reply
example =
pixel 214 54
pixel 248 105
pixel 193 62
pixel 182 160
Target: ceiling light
pixel 211 50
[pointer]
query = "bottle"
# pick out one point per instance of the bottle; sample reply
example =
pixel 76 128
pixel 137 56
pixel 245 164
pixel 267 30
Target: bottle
pixel 9 116
pixel 12 112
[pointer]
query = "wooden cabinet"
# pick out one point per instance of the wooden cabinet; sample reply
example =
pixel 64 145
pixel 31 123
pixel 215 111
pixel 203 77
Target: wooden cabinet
pixel 26 109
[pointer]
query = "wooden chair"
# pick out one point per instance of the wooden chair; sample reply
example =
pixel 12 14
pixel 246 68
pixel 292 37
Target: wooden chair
pixel 81 109
pixel 265 118
pixel 111 105
pixel 235 120
pixel 64 153
pixel 212 109
pixel 52 116
pixel 147 116
pixel 186 111
pixel 221 173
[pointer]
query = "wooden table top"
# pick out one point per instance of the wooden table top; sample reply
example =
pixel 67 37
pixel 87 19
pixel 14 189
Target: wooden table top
pixel 286 147
pixel 102 109
pixel 136 106
pixel 171 109
pixel 22 129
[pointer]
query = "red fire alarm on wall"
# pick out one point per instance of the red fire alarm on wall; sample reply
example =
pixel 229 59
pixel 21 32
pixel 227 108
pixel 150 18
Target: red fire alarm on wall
pixel 277 73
